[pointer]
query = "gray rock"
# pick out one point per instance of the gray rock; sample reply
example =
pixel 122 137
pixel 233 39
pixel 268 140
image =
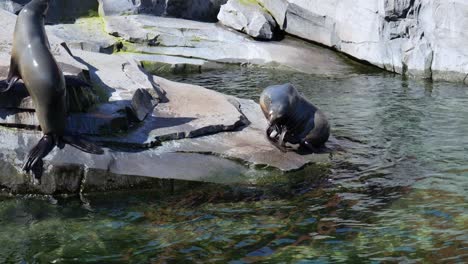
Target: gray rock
pixel 158 36
pixel 417 38
pixel 276 9
pixel 249 17
pixel 143 104
pixel 86 34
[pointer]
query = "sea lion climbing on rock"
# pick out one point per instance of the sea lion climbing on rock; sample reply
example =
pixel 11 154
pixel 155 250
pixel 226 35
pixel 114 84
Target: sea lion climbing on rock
pixel 292 118
pixel 33 62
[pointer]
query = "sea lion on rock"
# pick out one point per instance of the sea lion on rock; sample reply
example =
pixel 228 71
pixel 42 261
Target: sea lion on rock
pixel 292 119
pixel 33 62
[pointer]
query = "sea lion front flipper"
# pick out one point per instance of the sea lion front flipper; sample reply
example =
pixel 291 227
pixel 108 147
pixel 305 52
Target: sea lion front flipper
pixel 83 145
pixel 6 85
pixel 274 140
pixel 75 81
pixel 35 155
pixel 13 76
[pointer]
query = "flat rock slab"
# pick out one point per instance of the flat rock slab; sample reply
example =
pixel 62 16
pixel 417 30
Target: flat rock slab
pixel 248 145
pixel 220 158
pixel 185 110
pixel 86 34
pixel 213 42
pixel 160 37
pixel 189 111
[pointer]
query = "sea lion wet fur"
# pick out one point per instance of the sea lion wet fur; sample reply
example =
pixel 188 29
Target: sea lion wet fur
pixel 292 118
pixel 33 62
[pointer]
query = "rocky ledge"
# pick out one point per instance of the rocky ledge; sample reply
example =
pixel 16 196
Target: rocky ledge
pixel 151 129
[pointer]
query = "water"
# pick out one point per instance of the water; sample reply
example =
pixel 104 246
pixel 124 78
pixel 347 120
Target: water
pixel 397 195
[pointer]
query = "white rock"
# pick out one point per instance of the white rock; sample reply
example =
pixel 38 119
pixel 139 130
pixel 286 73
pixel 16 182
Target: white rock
pixel 421 38
pixel 211 42
pixel 249 17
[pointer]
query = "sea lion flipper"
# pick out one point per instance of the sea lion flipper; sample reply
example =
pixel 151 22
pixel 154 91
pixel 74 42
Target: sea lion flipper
pixel 75 81
pixel 6 85
pixel 83 145
pixel 274 140
pixel 35 155
pixel 13 77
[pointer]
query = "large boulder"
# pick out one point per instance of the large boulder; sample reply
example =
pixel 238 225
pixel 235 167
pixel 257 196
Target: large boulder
pixel 249 17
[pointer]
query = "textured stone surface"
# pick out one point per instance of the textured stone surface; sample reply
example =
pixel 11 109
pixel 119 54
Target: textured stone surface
pixel 86 34
pixel 420 38
pixel 249 17
pixel 210 42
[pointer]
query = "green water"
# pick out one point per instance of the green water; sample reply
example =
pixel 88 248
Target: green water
pixel 398 195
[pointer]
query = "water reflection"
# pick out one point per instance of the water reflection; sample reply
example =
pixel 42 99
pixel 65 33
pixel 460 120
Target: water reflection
pixel 398 193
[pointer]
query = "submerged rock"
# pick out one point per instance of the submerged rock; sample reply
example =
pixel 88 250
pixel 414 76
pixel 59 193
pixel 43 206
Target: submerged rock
pixel 249 17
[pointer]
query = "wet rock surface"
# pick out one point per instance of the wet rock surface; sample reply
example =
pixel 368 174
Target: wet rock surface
pixel 151 128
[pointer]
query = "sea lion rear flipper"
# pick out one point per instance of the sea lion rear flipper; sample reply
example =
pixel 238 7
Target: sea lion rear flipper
pixel 83 145
pixel 35 155
pixel 75 81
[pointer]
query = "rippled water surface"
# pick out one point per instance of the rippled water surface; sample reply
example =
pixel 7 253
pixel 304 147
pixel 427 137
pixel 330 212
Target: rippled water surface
pixel 397 195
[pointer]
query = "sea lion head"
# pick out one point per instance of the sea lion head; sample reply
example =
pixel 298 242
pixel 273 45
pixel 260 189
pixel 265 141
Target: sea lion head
pixel 275 102
pixel 37 7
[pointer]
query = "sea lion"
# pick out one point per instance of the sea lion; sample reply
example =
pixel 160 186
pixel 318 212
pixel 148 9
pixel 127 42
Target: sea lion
pixel 33 62
pixel 292 118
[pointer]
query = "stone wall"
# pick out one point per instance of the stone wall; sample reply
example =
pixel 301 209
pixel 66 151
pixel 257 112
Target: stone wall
pixel 420 38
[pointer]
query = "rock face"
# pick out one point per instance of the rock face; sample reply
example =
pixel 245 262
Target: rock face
pixel 201 10
pixel 420 38
pixel 249 17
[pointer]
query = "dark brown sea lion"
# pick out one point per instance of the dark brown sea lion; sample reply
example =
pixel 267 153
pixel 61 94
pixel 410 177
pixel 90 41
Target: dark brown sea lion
pixel 292 119
pixel 33 62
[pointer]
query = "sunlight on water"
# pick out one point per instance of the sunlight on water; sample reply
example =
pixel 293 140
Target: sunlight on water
pixel 399 194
